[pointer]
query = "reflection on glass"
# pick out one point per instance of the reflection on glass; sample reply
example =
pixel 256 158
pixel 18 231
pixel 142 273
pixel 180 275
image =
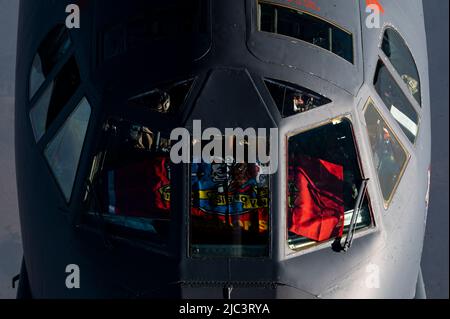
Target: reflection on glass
pixel 132 189
pixel 55 97
pixel 291 99
pixel 166 99
pixel 323 182
pixel 64 150
pixel 401 58
pixel 396 101
pixel 389 156
pixel 38 114
pixel 306 27
pixel 37 77
pixel 229 209
pixel 52 49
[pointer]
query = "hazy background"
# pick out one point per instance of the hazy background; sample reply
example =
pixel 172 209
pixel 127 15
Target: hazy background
pixel 436 253
pixel 10 243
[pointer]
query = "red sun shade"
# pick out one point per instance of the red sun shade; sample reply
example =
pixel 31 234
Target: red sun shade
pixel 316 201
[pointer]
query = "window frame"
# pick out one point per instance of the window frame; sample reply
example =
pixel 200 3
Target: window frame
pixel 381 57
pixel 188 202
pixel 310 14
pixel 315 246
pixel 293 87
pixel 386 204
pixel 61 119
pixel 50 80
pixel 398 81
pixel 56 68
pixel 44 143
pixel 193 80
pixel 87 214
pixel 396 74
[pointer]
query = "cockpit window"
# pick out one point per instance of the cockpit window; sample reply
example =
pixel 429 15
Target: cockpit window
pixel 171 19
pixel 56 95
pixel 64 150
pixel 130 182
pixel 396 101
pixel 306 27
pixel 38 114
pixel 324 178
pixel 37 77
pixel 230 209
pixel 292 99
pixel 52 49
pixel 401 58
pixel 167 99
pixel 390 158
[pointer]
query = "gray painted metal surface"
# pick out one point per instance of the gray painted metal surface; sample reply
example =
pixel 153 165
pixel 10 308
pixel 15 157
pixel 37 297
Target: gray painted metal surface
pixel 238 56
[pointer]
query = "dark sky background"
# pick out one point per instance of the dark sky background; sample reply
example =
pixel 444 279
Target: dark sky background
pixel 436 251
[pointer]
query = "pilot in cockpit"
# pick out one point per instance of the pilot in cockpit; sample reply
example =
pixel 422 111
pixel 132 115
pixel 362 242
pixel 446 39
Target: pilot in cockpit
pixel 299 104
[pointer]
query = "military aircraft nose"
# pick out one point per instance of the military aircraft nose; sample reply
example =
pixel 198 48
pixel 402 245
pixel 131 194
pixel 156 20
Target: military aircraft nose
pixel 230 99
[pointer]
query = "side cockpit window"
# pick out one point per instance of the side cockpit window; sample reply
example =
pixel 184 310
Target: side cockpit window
pixel 390 158
pixel 52 83
pixel 51 51
pixel 324 181
pixel 398 53
pixel 64 150
pixel 54 98
pixel 292 99
pixel 396 101
pixel 130 183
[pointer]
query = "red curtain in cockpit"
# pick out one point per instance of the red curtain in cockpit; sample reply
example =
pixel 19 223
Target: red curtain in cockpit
pixel 316 201
pixel 139 189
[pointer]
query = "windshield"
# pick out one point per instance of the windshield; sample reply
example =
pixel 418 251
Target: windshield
pixel 229 209
pixel 323 182
pixel 131 187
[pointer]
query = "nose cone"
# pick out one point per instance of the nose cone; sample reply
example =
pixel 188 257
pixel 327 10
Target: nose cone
pixel 230 99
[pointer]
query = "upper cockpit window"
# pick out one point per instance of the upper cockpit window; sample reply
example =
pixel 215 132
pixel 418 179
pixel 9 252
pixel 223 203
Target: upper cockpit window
pixel 324 179
pixel 306 27
pixel 390 158
pixel 291 99
pixel 402 59
pixel 64 150
pixel 51 51
pixel 130 182
pixel 175 19
pixel 166 99
pixel 396 101
pixel 56 95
